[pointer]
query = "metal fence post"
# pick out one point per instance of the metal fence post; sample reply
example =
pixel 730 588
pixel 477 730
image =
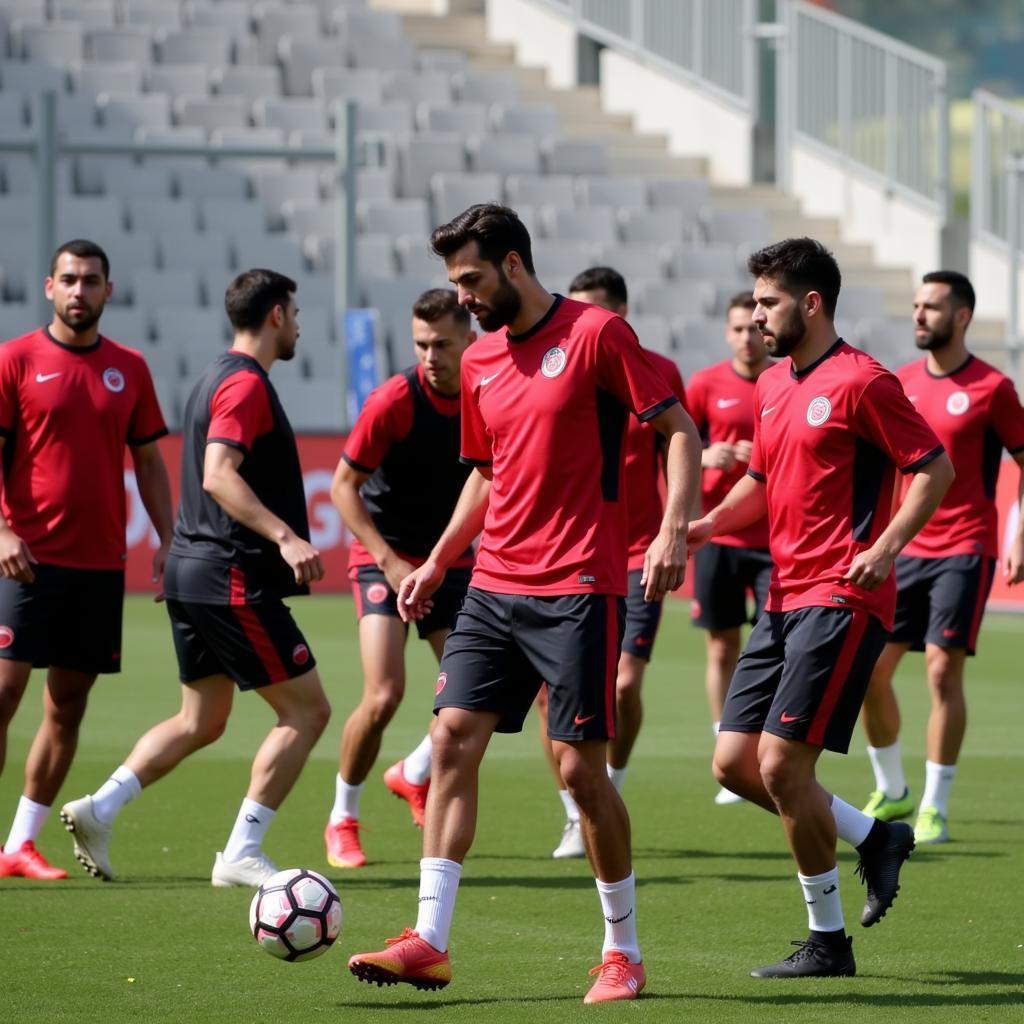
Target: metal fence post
pixel 344 230
pixel 1014 171
pixel 45 199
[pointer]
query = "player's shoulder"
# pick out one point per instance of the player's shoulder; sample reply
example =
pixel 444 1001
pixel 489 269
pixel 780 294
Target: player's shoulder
pixel 854 368
pixel 977 370
pixel 387 394
pixel 15 348
pixel 131 357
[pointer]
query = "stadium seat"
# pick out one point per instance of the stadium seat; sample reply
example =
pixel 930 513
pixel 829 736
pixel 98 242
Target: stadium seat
pixel 699 339
pixel 540 190
pixel 422 156
pixel 121 77
pixel 252 83
pixel 124 43
pixel 57 43
pixel 302 57
pixel 313 405
pixel 361 23
pixel 383 54
pixel 211 182
pixel 88 13
pixel 272 188
pixel 575 156
pixel 273 21
pixel 184 246
pixel 416 258
pixel 16 319
pixel 621 193
pixel 689 194
pixel 151 179
pixel 211 112
pixel 634 260
pixel 126 325
pixel 654 332
pixel 231 215
pixel 160 17
pixel 418 87
pixel 394 217
pixel 451 62
pixel 29 79
pixel 558 261
pixel 375 258
pixel 664 225
pixel 364 85
pixel 209 46
pixel 486 87
pixel 750 228
pixel 290 114
pixel 858 301
pixel 89 216
pixel 595 224
pixel 179 79
pixel 190 330
pixel 453 193
pixel 461 118
pixel 147 213
pixel 388 118
pixel 680 298
pixel 718 261
pixel 166 287
pixel 128 250
pixel 536 119
pixel 504 154
pixel 13 115
pixel 231 16
pixel 127 111
pixel 262 249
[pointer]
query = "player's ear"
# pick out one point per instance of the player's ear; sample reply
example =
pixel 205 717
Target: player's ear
pixel 812 303
pixel 513 264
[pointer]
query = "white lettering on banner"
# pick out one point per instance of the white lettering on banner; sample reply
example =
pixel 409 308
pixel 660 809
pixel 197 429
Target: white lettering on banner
pixel 139 530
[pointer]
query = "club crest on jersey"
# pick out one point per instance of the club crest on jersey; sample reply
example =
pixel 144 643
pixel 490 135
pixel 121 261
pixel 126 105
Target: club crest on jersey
pixel 553 362
pixel 819 411
pixel 113 380
pixel 958 403
pixel 6 636
pixel 376 593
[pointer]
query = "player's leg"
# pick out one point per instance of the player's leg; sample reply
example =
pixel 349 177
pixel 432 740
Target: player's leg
pixel 14 676
pixel 570 843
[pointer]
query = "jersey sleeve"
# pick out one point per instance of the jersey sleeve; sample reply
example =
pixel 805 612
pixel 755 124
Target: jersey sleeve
pixel 8 394
pixel 147 422
pixel 1007 417
pixel 386 418
pixel 624 370
pixel 886 418
pixel 240 411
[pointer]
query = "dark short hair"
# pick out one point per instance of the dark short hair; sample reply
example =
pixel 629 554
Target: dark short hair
pixel 742 300
pixel 594 278
pixel 83 249
pixel 496 229
pixel 800 265
pixel 961 291
pixel 438 302
pixel 253 294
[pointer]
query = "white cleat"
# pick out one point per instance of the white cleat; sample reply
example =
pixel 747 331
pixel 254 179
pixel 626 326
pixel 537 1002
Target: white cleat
pixel 571 843
pixel 727 796
pixel 91 836
pixel 249 871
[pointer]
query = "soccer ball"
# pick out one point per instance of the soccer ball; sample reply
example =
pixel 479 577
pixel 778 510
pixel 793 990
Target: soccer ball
pixel 295 914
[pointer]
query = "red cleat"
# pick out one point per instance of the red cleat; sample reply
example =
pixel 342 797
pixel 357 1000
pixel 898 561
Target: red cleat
pixel 343 847
pixel 617 978
pixel 28 862
pixel 408 958
pixel 415 796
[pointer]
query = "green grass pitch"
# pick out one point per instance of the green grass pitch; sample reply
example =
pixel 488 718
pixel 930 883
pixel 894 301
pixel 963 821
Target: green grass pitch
pixel 717 888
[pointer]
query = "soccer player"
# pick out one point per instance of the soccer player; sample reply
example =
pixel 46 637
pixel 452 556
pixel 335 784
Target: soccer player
pixel 645 451
pixel 396 487
pixel 545 395
pixel 721 402
pixel 833 426
pixel 70 401
pixel 945 572
pixel 241 544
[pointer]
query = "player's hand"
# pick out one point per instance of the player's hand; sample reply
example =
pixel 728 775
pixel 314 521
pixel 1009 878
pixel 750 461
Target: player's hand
pixel 719 456
pixel 1013 562
pixel 870 569
pixel 16 559
pixel 160 560
pixel 303 558
pixel 743 450
pixel 698 534
pixel 415 591
pixel 664 564
pixel 395 570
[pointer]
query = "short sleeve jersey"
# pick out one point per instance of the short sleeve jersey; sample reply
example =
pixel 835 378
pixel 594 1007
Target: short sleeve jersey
pixel 645 452
pixel 827 444
pixel 547 411
pixel 975 413
pixel 721 402
pixel 66 414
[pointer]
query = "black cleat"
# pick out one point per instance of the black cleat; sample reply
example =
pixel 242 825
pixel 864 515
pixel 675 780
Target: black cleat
pixel 879 867
pixel 813 959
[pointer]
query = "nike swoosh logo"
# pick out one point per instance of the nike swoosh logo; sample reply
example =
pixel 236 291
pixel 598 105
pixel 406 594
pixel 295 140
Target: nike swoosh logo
pixel 581 720
pixel 42 378
pixel 487 380
pixel 764 412
pixel 727 403
pixel 790 718
pixel 828 892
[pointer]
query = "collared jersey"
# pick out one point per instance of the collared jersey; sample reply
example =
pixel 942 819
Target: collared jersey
pixel 721 402
pixel 66 414
pixel 975 413
pixel 645 452
pixel 547 411
pixel 407 438
pixel 827 442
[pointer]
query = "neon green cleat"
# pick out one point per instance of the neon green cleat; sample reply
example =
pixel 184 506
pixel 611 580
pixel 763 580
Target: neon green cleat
pixel 886 809
pixel 931 826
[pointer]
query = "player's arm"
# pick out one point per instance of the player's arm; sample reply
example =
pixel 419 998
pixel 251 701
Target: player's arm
pixel 665 560
pixel 356 516
pixel 744 504
pixel 870 568
pixel 223 482
pixel 16 559
pixel 464 526
pixel 155 491
pixel 1013 557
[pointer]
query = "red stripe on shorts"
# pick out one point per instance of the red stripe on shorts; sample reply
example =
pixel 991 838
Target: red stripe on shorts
pixel 984 578
pixel 836 681
pixel 262 645
pixel 611 663
pixel 357 592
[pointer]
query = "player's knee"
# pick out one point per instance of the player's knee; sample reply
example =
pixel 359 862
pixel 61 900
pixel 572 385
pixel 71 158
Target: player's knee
pixel 584 780
pixel 382 705
pixel 781 777
pixel 319 714
pixel 627 686
pixel 723 650
pixel 728 771
pixel 454 745
pixel 945 675
pixel 10 698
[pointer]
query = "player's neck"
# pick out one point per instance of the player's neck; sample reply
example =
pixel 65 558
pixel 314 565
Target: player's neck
pixel 536 303
pixel 257 347
pixel 60 331
pixel 813 347
pixel 950 357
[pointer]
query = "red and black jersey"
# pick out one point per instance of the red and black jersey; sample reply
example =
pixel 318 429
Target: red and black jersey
pixel 975 413
pixel 214 558
pixel 547 411
pixel 827 443
pixel 66 414
pixel 407 437
pixel 721 402
pixel 645 452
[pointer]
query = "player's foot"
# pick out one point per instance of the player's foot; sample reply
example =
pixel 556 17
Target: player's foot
pixel 249 871
pixel 931 826
pixel 28 862
pixel 343 847
pixel 813 959
pixel 571 843
pixel 879 868
pixel 617 978
pixel 408 958
pixel 886 809
pixel 91 836
pixel 415 796
pixel 725 797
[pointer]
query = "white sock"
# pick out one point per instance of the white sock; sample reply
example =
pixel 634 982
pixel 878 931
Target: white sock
pixel 250 827
pixel 572 812
pixel 28 823
pixel 618 904
pixel 346 800
pixel 821 894
pixel 439 885
pixel 617 776
pixel 852 825
pixel 715 726
pixel 938 781
pixel 416 766
pixel 887 763
pixel 121 787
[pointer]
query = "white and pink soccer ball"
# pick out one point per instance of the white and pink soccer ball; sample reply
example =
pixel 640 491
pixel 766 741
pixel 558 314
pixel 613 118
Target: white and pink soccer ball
pixel 295 915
